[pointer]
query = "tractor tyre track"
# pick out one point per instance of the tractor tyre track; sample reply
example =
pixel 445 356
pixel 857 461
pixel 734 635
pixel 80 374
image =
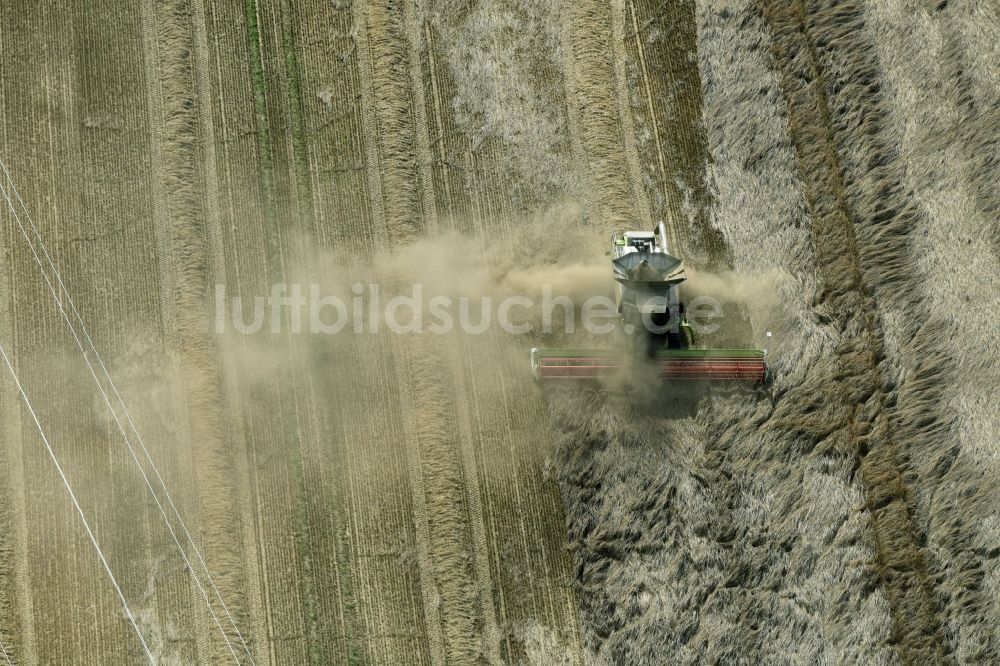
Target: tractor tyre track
pixel 865 392
pixel 927 56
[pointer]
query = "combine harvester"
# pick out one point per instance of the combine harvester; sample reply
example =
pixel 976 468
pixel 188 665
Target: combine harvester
pixel 657 332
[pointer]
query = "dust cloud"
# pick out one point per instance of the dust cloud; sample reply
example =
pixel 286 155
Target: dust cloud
pixel 547 257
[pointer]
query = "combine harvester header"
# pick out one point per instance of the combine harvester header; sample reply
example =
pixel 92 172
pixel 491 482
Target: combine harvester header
pixel 652 316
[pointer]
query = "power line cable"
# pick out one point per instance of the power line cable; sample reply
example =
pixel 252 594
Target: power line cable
pixel 116 418
pixel 79 510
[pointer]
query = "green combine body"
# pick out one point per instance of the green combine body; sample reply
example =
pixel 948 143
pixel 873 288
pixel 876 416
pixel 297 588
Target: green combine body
pixel 648 278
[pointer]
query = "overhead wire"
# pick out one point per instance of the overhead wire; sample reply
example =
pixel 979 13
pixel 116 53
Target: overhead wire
pixel 59 296
pixel 3 651
pixel 83 517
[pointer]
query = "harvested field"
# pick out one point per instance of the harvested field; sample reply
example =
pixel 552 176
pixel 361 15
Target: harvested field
pixel 266 493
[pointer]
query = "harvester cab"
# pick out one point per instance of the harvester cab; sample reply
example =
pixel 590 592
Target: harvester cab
pixel 648 296
pixel 653 321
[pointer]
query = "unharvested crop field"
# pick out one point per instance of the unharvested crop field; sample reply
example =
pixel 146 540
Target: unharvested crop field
pixel 381 498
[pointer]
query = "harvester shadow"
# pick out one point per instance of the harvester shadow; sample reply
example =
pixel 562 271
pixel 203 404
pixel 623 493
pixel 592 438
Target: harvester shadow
pixel 655 399
pixel 670 401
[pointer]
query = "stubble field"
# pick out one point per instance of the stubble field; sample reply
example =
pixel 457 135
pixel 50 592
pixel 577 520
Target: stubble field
pixel 383 498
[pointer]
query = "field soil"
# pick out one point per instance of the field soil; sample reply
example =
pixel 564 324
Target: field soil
pixel 826 169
